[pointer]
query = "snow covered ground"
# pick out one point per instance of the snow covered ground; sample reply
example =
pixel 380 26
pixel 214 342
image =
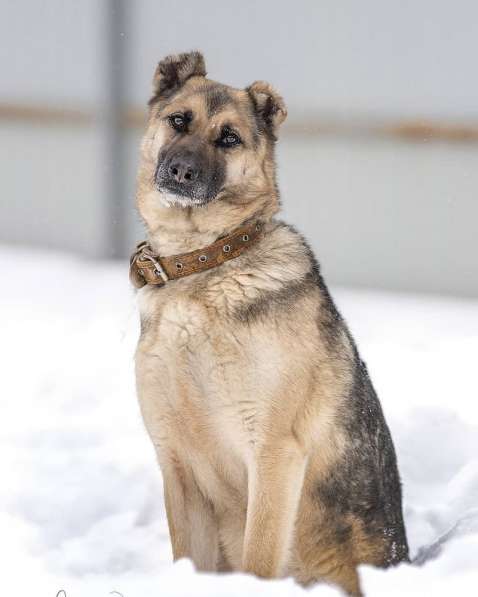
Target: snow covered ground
pixel 81 500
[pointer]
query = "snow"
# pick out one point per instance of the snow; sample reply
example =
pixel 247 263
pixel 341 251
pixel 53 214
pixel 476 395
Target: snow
pixel 81 498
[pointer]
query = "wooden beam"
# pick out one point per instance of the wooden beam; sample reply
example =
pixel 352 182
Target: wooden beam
pixel 314 125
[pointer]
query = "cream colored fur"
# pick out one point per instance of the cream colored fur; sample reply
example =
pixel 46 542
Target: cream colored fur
pixel 242 423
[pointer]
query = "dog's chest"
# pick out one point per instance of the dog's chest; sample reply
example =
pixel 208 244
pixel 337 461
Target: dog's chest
pixel 207 379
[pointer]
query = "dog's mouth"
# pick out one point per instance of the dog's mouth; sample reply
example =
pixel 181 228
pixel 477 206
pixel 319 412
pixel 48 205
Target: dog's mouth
pixel 175 193
pixel 187 192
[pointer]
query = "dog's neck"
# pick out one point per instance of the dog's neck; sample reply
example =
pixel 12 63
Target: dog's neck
pixel 178 229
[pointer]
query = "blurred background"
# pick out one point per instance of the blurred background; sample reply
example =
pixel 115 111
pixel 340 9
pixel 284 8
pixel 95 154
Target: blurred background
pixel 378 158
pixel 378 168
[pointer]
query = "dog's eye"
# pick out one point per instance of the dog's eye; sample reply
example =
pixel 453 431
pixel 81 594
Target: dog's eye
pixel 229 139
pixel 178 122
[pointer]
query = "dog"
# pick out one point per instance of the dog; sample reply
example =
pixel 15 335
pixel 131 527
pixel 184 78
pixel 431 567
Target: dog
pixel 275 454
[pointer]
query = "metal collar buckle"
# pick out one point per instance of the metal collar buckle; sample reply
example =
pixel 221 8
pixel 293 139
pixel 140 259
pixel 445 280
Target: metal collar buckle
pixel 158 268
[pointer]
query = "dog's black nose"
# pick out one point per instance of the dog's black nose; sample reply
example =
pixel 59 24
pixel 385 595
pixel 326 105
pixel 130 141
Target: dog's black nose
pixel 183 170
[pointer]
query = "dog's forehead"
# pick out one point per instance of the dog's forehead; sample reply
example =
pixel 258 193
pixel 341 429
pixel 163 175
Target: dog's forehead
pixel 209 98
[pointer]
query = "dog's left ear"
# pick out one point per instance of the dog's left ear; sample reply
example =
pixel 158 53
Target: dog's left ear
pixel 173 71
pixel 268 104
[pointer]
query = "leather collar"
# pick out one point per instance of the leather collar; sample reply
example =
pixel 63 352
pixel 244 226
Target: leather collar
pixel 148 268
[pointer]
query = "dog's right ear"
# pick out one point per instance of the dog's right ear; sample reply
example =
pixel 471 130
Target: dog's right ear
pixel 173 71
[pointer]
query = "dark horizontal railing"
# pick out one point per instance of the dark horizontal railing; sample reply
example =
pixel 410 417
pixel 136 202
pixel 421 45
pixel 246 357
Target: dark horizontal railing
pixel 419 129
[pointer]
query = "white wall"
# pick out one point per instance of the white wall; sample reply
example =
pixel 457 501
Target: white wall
pixel 52 51
pixel 385 214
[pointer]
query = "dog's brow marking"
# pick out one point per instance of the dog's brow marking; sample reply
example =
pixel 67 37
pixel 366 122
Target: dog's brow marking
pixel 216 98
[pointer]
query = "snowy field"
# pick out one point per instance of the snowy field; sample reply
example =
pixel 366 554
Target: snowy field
pixel 81 498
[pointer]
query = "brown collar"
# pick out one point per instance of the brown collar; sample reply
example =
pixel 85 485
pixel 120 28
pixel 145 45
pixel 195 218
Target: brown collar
pixel 147 268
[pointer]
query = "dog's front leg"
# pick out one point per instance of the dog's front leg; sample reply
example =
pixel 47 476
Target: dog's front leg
pixel 192 524
pixel 275 485
pixel 175 502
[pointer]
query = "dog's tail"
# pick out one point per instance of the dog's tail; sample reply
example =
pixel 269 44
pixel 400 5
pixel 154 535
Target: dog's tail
pixel 463 526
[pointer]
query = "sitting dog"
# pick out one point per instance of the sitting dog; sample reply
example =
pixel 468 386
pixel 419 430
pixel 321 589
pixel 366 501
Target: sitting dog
pixel 274 451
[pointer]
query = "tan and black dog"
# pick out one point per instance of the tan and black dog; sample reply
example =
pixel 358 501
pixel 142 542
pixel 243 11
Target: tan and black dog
pixel 274 451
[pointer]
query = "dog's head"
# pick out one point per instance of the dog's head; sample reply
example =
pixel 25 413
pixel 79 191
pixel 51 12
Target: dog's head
pixel 207 142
